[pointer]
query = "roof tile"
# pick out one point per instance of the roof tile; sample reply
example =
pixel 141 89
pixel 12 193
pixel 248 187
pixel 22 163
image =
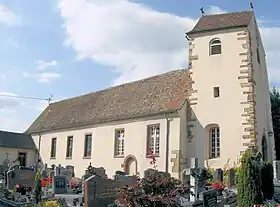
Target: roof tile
pixel 222 21
pixel 154 95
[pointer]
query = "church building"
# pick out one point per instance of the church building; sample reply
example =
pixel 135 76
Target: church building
pixel 214 110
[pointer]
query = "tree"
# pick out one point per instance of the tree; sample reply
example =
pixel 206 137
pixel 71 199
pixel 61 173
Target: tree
pixel 157 190
pixel 275 112
pixel 249 181
pixel 267 180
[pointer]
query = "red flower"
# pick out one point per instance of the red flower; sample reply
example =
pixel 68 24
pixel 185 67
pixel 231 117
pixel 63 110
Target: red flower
pixel 218 186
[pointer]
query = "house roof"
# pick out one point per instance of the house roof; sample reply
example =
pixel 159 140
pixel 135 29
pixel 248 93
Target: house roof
pixel 222 21
pixel 16 140
pixel 150 96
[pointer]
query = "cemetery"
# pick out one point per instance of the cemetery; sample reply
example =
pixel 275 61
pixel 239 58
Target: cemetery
pixel 58 186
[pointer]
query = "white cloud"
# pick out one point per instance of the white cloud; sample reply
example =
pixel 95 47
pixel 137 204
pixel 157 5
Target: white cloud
pixel 270 37
pixel 12 124
pixel 8 102
pixel 8 17
pixel 215 10
pixel 42 77
pixel 135 39
pixel 42 65
pixel 138 41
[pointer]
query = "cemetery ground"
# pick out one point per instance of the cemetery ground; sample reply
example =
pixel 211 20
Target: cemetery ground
pixel 252 182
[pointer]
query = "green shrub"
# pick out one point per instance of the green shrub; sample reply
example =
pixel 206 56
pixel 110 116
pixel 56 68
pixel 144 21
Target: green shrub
pixel 267 180
pixel 249 181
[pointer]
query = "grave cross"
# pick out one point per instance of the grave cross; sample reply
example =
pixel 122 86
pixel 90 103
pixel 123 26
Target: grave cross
pixel 194 172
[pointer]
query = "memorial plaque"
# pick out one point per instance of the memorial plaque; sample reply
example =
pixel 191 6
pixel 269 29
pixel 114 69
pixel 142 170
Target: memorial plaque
pixel 209 198
pixel 59 185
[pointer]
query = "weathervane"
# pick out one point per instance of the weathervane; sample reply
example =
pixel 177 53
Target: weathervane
pixel 202 11
pixel 251 5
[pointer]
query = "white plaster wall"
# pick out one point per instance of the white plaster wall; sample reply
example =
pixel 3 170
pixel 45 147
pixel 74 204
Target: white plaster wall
pixel 103 145
pixel 263 105
pixel 13 155
pixel 222 71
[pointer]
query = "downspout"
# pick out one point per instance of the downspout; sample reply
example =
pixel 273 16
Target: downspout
pixel 167 143
pixel 38 151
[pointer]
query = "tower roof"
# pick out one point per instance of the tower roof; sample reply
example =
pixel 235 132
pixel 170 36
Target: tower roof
pixel 222 21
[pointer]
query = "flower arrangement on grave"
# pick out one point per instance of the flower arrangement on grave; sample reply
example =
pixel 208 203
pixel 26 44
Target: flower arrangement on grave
pixel 158 189
pixel 218 186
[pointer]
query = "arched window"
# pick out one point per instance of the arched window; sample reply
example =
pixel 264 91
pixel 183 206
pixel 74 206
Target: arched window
pixel 214 142
pixel 264 148
pixel 215 47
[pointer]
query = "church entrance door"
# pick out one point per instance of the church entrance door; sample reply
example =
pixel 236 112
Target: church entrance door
pixel 130 165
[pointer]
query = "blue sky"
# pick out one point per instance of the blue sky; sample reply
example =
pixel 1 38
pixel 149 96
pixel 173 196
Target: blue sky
pixel 70 47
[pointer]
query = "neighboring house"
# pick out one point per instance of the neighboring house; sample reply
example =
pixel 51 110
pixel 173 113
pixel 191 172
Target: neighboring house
pixel 214 110
pixel 17 146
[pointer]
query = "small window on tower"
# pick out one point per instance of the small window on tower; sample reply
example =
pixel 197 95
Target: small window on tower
pixel 215 47
pixel 216 92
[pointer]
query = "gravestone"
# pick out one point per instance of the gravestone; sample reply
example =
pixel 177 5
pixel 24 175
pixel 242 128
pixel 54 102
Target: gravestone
pixel 209 198
pixel 59 170
pixel 99 191
pixel 99 171
pixel 20 176
pixel 59 184
pixel 130 180
pixel 218 175
pixel 71 170
pixel 276 170
pixel 231 178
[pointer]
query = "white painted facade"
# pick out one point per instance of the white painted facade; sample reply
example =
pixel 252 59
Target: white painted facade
pixel 102 155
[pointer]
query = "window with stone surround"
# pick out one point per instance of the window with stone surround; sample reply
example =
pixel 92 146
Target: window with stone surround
pixel 215 142
pixel 119 142
pixel 215 47
pixel 88 145
pixel 69 148
pixel 153 139
pixel 53 148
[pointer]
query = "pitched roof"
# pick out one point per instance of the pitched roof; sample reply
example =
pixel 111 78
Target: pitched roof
pixel 222 21
pixel 16 140
pixel 154 95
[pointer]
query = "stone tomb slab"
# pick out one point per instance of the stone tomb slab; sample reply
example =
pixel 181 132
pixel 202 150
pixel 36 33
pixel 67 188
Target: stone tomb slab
pixel 59 184
pixel 209 198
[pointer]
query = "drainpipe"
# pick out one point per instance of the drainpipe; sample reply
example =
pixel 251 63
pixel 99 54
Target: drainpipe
pixel 167 142
pixel 38 151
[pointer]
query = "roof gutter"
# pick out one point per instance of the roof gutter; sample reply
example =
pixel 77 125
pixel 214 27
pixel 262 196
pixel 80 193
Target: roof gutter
pixel 214 30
